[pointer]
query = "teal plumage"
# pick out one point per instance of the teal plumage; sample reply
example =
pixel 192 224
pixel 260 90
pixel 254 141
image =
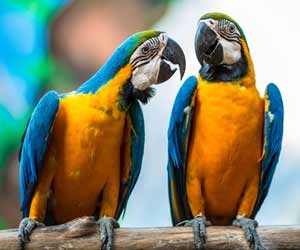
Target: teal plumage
pixel 273 133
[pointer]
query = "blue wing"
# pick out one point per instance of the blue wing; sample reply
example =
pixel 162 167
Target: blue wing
pixel 34 146
pixel 178 133
pixel 273 132
pixel 133 150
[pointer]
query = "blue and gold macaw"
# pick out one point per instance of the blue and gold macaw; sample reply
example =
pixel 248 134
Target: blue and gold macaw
pixel 82 151
pixel 224 140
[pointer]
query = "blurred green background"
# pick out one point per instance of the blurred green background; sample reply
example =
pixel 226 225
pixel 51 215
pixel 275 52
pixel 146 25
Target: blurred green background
pixel 58 44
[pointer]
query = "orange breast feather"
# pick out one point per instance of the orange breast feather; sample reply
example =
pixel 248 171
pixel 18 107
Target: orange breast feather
pixel 83 156
pixel 224 150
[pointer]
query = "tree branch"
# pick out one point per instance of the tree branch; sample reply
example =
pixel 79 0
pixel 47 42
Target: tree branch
pixel 83 233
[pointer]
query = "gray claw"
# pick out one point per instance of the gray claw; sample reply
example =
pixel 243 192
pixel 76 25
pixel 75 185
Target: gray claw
pixel 107 225
pixel 26 226
pixel 249 227
pixel 199 224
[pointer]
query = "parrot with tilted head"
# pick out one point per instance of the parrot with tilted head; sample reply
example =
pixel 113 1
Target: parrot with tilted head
pixel 224 140
pixel 82 151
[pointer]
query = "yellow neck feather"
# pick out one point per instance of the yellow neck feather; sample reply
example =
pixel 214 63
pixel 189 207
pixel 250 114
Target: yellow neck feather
pixel 114 85
pixel 249 79
pixel 109 94
pixel 107 98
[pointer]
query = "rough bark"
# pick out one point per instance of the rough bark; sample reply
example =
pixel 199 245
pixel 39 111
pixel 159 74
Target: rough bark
pixel 83 233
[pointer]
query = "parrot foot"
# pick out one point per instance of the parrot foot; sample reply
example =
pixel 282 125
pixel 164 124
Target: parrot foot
pixel 199 224
pixel 249 227
pixel 26 226
pixel 107 225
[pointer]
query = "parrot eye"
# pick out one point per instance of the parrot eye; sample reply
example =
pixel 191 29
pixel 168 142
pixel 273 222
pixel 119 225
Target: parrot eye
pixel 145 49
pixel 231 28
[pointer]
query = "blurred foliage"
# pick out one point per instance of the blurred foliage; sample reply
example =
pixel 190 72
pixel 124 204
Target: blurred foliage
pixel 156 7
pixel 25 65
pixel 2 224
pixel 42 9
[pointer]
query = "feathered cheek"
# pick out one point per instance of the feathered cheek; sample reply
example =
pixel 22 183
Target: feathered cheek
pixel 231 51
pixel 146 75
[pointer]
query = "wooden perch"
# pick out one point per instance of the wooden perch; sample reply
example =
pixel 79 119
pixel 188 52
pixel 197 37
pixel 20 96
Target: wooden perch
pixel 83 233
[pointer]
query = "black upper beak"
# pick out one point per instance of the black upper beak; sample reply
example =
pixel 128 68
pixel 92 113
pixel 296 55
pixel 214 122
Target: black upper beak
pixel 207 46
pixel 172 54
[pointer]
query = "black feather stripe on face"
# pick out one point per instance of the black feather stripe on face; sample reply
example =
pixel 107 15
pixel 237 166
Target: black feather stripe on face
pixel 223 72
pixel 143 95
pixel 225 31
pixel 130 93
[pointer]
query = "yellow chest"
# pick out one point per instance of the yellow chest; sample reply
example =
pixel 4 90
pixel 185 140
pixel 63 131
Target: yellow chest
pixel 87 136
pixel 86 131
pixel 227 117
pixel 225 144
pixel 85 153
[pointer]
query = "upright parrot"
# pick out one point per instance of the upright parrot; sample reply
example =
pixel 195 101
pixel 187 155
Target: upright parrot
pixel 224 140
pixel 82 151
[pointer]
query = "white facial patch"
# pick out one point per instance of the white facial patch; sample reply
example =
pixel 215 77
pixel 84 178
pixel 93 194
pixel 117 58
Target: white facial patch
pixel 146 61
pixel 211 23
pixel 231 51
pixel 146 75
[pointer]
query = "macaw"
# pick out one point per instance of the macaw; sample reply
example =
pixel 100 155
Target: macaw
pixel 224 140
pixel 82 151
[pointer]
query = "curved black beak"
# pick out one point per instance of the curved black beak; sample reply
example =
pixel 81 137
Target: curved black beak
pixel 207 46
pixel 172 54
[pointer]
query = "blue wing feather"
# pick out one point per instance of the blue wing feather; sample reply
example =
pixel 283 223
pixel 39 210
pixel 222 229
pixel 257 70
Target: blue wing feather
pixel 176 139
pixel 138 140
pixel 34 146
pixel 137 151
pixel 273 132
pixel 180 123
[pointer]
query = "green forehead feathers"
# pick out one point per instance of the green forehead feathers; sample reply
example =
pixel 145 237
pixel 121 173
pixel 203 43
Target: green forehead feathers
pixel 145 35
pixel 126 49
pixel 220 16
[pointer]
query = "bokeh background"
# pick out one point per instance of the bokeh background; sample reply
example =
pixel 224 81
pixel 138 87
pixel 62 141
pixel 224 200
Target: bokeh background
pixel 58 44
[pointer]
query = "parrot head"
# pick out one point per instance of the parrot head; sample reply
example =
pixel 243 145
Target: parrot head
pixel 154 58
pixel 221 48
pixel 145 58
